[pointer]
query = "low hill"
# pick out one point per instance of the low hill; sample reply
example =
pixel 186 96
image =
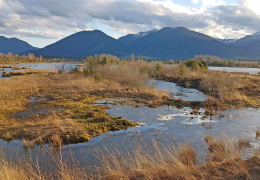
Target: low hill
pixel 13 45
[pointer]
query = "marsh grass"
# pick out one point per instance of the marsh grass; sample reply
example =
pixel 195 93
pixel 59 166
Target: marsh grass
pixel 73 116
pixel 243 143
pixel 220 149
pixel 159 162
pixel 23 169
pixel 229 89
pixel 75 119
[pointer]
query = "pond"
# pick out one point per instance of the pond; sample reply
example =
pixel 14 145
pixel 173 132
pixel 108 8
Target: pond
pixel 166 125
pixel 236 69
pixel 66 67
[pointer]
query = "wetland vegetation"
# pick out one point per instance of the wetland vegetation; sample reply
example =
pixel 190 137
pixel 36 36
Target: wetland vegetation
pixel 222 161
pixel 61 109
pixel 216 61
pixel 70 97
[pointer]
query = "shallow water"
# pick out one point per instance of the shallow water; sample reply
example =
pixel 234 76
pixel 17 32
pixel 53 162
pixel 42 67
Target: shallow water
pixel 186 94
pixel 66 67
pixel 236 124
pixel 165 125
pixel 236 69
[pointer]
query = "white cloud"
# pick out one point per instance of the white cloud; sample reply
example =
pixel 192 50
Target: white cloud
pixel 54 20
pixel 166 4
pixel 224 31
pixel 253 5
pixel 43 34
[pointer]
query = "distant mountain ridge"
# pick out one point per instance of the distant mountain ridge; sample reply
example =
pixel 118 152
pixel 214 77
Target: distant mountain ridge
pixel 250 41
pixel 166 43
pixel 84 43
pixel 182 43
pixel 14 45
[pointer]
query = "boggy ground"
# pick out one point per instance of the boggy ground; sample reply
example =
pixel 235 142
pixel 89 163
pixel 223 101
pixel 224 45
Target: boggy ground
pixel 73 117
pixel 62 107
pixel 65 109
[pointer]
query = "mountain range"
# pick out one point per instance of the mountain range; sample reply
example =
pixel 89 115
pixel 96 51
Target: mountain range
pixel 14 45
pixel 166 43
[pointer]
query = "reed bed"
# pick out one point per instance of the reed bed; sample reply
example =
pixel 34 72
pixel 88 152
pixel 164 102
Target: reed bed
pixel 229 89
pixel 160 162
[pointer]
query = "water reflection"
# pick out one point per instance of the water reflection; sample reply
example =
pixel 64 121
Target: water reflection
pixel 166 125
pixel 236 69
pixel 187 94
pixel 66 67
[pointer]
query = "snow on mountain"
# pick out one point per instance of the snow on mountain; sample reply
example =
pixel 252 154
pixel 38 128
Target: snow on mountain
pixel 227 41
pixel 143 34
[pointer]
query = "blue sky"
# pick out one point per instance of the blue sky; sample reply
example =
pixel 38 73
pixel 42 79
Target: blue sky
pixel 43 22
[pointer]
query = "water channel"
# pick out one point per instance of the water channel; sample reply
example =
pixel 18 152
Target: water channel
pixel 166 125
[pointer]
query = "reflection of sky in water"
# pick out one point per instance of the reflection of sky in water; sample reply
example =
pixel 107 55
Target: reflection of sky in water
pixel 187 94
pixel 154 126
pixel 237 123
pixel 236 69
pixel 66 66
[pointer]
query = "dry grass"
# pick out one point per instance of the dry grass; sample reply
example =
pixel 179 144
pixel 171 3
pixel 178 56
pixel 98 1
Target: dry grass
pixel 172 162
pixel 111 88
pixel 72 93
pixel 220 149
pixel 161 163
pixel 29 169
pixel 14 93
pixel 125 74
pixel 243 143
pixel 23 169
pixel 34 71
pixel 229 88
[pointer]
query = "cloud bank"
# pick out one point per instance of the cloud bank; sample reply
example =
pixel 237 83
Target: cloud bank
pixel 55 19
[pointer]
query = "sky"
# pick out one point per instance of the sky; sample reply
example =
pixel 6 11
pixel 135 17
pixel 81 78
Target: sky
pixel 42 22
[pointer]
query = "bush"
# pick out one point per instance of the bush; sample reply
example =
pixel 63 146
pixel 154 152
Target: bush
pixel 197 65
pixel 182 70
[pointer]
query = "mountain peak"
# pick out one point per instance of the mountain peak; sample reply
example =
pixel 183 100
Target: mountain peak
pixel 91 31
pixel 174 28
pixel 13 45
